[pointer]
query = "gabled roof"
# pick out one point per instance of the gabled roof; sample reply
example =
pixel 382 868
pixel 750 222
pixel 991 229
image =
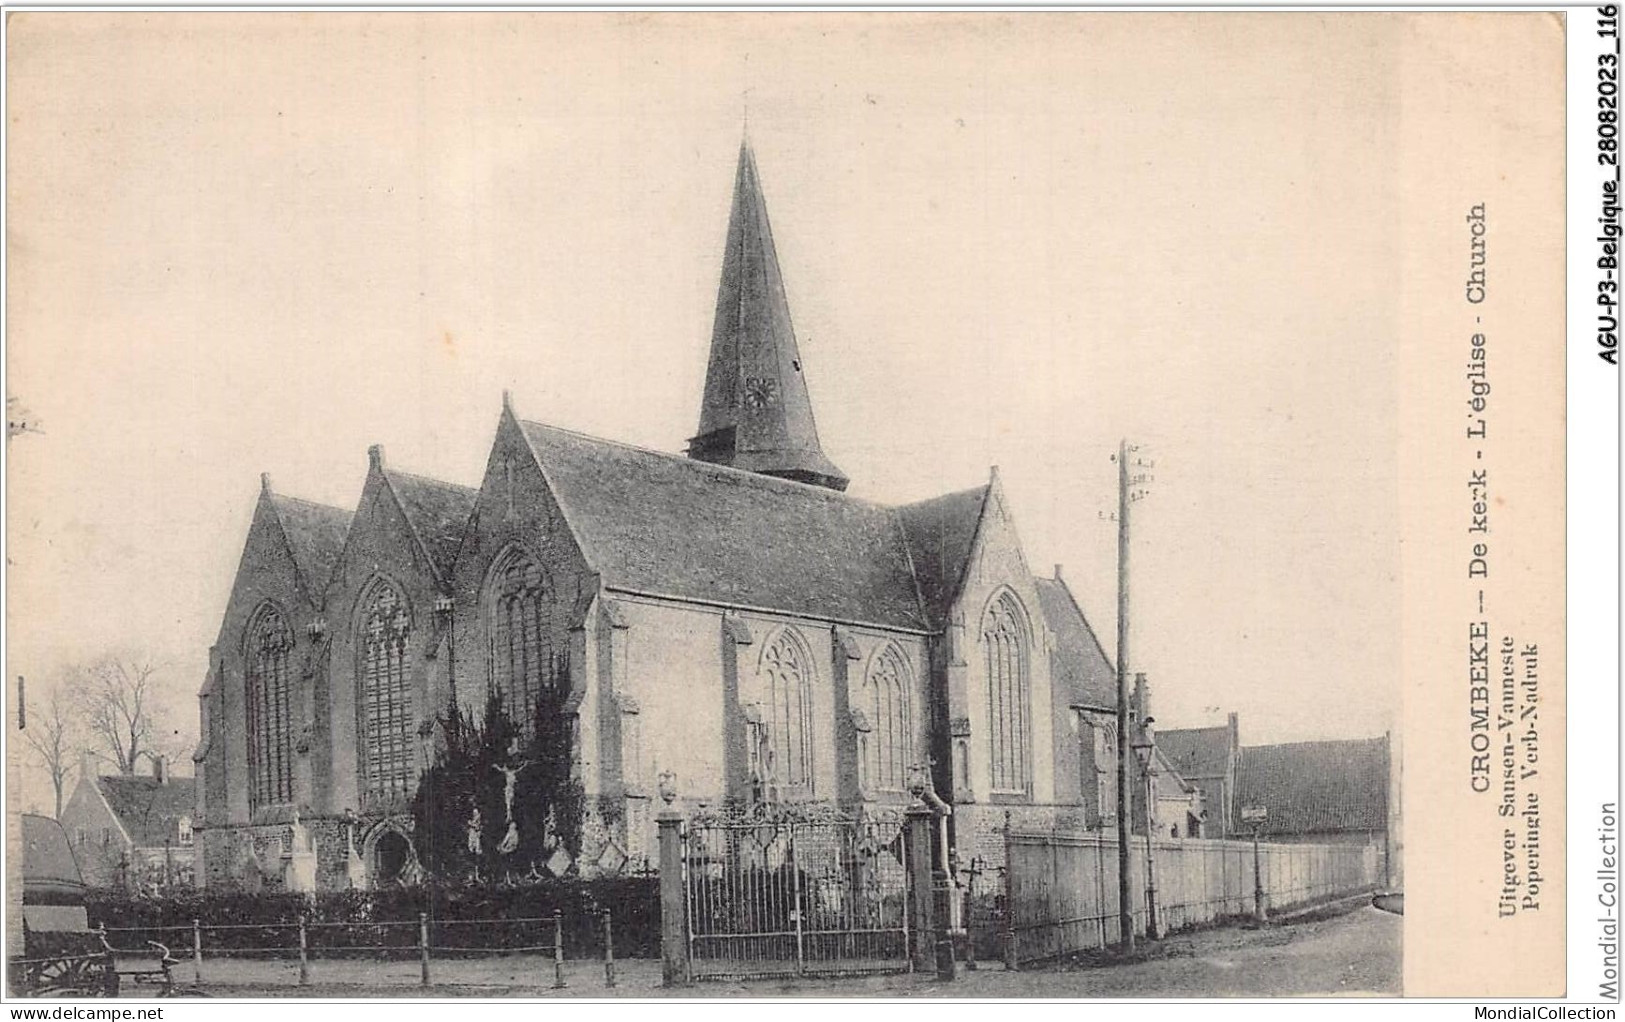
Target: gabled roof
pixel 1165 767
pixel 941 532
pixel 1079 663
pixel 756 413
pixel 1316 787
pixel 1197 751
pixel 438 512
pixel 315 535
pixel 147 809
pixel 668 525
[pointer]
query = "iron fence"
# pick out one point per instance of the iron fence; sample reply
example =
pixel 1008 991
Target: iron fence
pixel 780 894
pixel 425 939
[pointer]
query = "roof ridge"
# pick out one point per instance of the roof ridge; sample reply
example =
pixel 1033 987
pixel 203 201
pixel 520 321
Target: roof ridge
pixel 311 503
pixel 420 477
pixel 766 481
pixel 944 496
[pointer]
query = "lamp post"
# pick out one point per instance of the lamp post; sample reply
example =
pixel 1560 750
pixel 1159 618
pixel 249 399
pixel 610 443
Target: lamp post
pixel 1145 747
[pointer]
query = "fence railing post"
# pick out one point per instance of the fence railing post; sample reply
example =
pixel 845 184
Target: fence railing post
pixel 558 950
pixel 423 948
pixel 918 821
pixel 674 963
pixel 304 954
pixel 1011 958
pixel 609 951
pixel 1258 881
pixel 197 953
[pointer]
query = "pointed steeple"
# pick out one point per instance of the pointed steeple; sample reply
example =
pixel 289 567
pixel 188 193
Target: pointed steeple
pixel 756 414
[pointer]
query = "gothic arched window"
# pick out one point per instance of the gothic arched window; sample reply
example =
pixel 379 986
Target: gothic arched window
pixel 384 697
pixel 886 704
pixel 1104 767
pixel 523 660
pixel 786 678
pixel 1004 646
pixel 267 651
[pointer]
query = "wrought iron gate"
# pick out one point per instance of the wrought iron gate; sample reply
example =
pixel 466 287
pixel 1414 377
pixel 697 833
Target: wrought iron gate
pixel 785 891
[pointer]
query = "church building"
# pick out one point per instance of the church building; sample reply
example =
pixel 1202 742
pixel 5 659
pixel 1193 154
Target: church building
pixel 729 619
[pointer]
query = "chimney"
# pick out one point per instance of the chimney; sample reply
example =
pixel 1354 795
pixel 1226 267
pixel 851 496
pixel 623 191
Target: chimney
pixel 375 456
pixel 1058 577
pixel 1235 732
pixel 160 769
pixel 1142 696
pixel 87 765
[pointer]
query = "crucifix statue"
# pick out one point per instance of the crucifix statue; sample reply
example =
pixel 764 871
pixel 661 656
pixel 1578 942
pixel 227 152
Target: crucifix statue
pixel 510 774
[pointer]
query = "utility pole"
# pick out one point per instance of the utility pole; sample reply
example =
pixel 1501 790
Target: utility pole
pixel 1130 488
pixel 1125 910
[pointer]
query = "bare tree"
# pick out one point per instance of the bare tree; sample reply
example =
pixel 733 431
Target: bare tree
pixel 123 698
pixel 55 738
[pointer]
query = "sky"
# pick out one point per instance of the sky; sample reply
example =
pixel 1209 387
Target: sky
pixel 259 243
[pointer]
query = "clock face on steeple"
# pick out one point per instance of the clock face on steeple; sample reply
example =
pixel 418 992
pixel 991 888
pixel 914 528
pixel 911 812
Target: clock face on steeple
pixel 761 392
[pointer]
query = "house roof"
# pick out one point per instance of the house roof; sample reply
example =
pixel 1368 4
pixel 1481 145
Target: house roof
pixel 1317 787
pixel 1079 663
pixel 315 535
pixel 941 532
pixel 147 809
pixel 1164 766
pixel 49 866
pixel 438 511
pixel 670 525
pixel 1197 751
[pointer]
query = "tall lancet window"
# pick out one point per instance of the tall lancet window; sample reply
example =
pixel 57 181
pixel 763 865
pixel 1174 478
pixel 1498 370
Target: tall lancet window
pixel 523 659
pixel 384 697
pixel 267 652
pixel 886 702
pixel 786 679
pixel 1004 647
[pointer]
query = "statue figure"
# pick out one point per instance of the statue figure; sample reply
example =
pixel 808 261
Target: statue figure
pixel 510 774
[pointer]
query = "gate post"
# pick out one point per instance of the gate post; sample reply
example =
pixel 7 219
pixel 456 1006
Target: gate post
pixel 674 964
pixel 919 820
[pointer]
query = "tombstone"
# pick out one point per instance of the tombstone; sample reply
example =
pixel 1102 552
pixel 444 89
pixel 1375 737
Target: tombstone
pixel 299 859
pixel 250 874
pixel 355 870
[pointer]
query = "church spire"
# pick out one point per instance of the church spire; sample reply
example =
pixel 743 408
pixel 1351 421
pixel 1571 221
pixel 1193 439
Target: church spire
pixel 756 414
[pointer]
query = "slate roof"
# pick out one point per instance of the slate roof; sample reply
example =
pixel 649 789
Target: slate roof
pixel 147 809
pixel 666 524
pixel 1079 663
pixel 1317 787
pixel 439 512
pixel 49 865
pixel 1197 751
pixel 940 533
pixel 315 534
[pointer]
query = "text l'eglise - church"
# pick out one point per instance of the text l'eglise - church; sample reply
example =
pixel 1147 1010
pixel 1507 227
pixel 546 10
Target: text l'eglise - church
pixel 730 617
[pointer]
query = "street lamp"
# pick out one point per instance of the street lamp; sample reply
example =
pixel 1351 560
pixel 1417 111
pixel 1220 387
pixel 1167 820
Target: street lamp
pixel 1145 748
